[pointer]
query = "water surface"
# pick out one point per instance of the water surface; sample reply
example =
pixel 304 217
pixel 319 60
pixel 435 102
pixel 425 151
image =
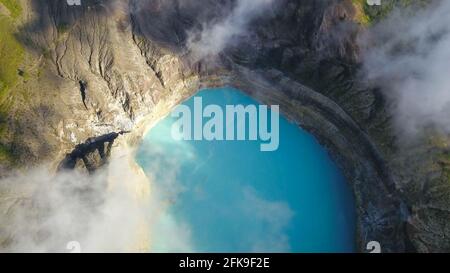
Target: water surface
pixel 228 196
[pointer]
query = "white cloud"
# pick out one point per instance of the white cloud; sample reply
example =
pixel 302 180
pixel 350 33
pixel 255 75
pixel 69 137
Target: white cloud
pixel 214 38
pixel 115 210
pixel 275 216
pixel 408 56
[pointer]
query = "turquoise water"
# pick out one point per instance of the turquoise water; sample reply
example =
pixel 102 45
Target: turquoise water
pixel 228 196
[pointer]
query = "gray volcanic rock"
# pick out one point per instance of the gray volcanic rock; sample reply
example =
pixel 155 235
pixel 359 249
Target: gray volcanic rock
pixel 110 66
pixel 90 155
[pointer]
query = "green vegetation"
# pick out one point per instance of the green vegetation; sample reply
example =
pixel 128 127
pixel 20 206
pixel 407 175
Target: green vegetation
pixel 361 16
pixel 446 165
pixel 13 6
pixel 371 14
pixel 11 55
pixel 5 154
pixel 62 28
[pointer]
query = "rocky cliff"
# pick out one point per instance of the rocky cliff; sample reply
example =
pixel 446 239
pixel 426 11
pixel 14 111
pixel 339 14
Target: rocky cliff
pixel 104 67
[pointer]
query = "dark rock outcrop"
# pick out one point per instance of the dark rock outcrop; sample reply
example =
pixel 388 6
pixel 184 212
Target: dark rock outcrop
pixel 90 155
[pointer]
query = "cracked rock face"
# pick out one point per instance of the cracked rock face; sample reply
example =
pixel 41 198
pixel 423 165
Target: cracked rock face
pixel 99 74
pixel 114 66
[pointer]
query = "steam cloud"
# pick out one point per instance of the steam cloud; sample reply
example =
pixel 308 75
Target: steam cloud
pixel 119 208
pixel 110 211
pixel 410 60
pixel 214 38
